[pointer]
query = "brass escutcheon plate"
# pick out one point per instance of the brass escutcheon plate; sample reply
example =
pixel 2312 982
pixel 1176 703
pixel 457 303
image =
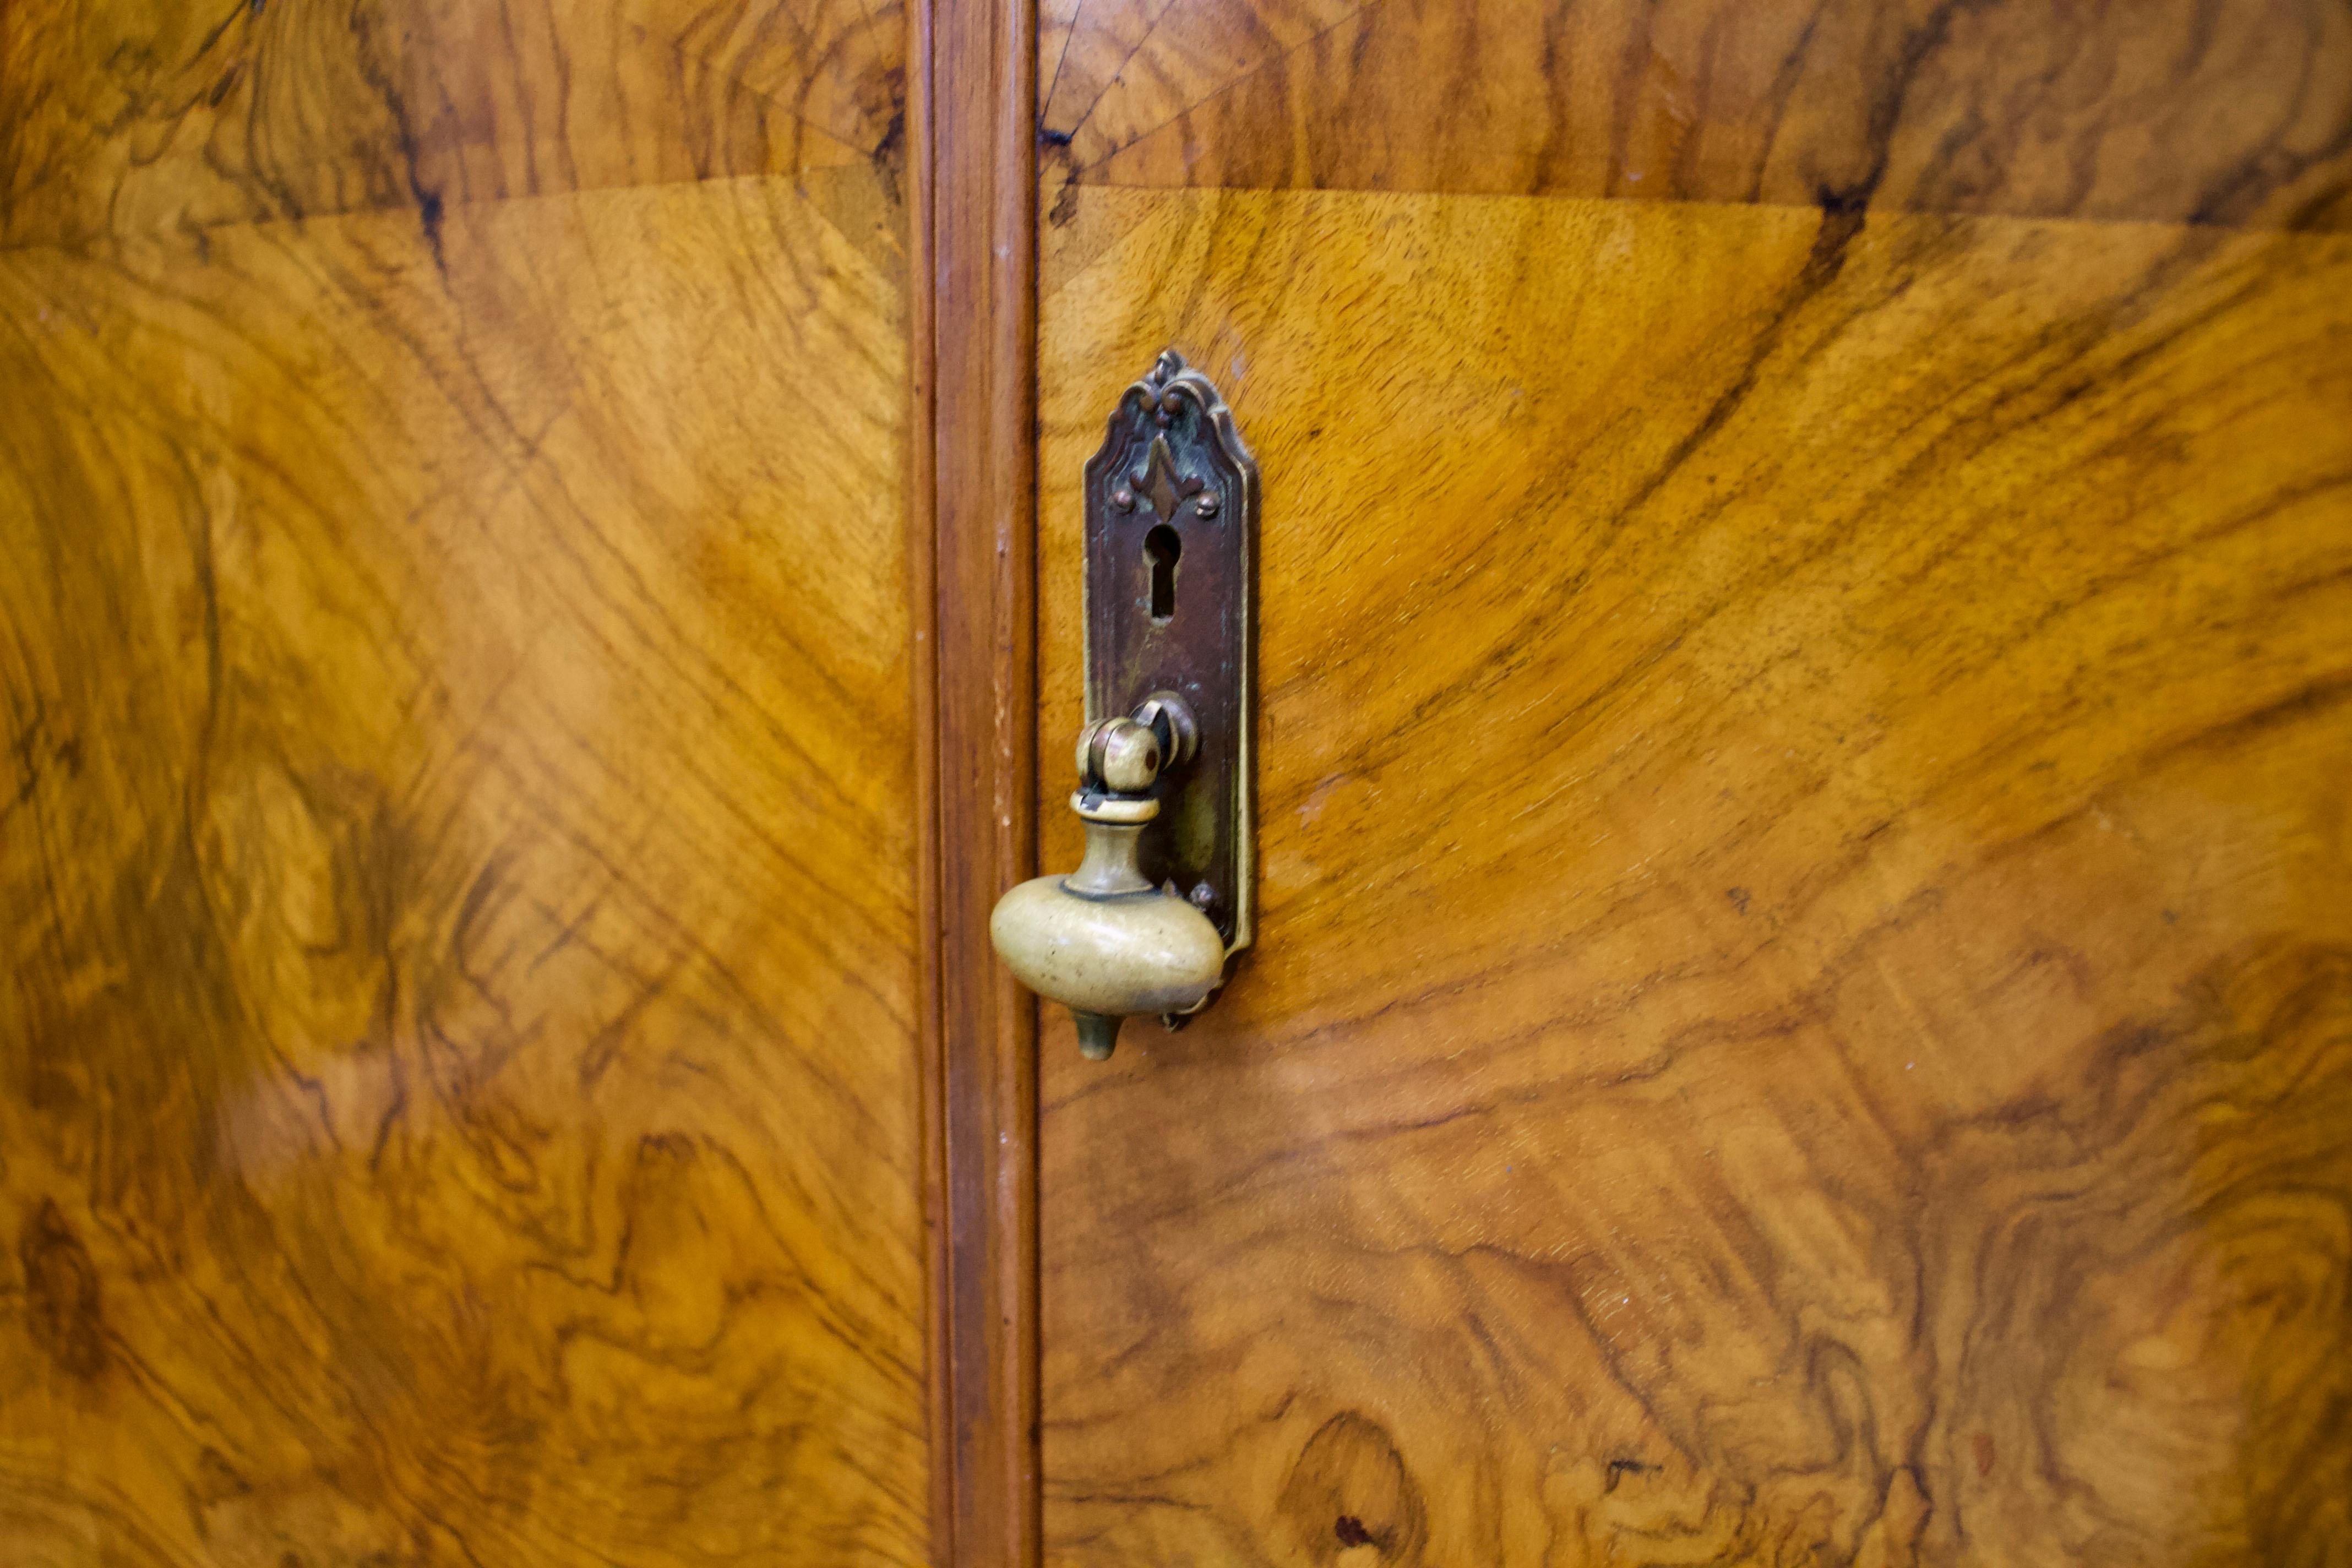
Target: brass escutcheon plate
pixel 1171 559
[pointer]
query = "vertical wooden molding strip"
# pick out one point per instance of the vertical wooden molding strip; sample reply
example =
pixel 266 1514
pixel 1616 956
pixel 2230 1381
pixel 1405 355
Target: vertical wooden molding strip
pixel 971 111
pixel 922 591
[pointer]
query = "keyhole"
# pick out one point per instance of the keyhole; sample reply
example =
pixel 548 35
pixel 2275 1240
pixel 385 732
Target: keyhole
pixel 1162 547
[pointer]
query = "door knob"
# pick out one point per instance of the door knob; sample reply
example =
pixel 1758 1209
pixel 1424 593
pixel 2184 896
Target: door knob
pixel 1103 941
pixel 1164 895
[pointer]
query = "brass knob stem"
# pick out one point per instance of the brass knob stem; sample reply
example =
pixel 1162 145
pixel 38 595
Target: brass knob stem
pixel 1109 866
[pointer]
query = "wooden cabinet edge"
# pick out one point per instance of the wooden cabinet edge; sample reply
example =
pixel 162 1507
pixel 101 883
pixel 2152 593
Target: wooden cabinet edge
pixel 971 109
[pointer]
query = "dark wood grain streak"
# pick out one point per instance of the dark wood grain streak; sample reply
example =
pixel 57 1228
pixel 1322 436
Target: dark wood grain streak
pixel 983 181
pixel 2176 109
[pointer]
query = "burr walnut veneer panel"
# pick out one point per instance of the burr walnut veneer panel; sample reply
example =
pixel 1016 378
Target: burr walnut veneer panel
pixel 1803 1011
pixel 125 117
pixel 459 1101
pixel 2232 112
pixel 1803 1007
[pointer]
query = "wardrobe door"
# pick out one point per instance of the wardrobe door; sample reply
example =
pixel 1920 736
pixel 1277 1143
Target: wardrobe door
pixel 459 1096
pixel 1801 1001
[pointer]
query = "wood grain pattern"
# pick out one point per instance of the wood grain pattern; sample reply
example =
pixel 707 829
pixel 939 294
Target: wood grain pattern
pixel 923 607
pixel 2177 108
pixel 131 119
pixel 978 250
pixel 459 1100
pixel 1803 1010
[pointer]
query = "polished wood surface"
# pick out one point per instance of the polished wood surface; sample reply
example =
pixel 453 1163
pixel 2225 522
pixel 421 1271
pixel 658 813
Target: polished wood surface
pixel 1803 1007
pixel 977 497
pixel 458 1092
pixel 131 118
pixel 2236 113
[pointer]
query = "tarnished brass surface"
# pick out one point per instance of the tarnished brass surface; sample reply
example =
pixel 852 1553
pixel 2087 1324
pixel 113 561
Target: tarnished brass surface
pixel 1171 525
pixel 1103 941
